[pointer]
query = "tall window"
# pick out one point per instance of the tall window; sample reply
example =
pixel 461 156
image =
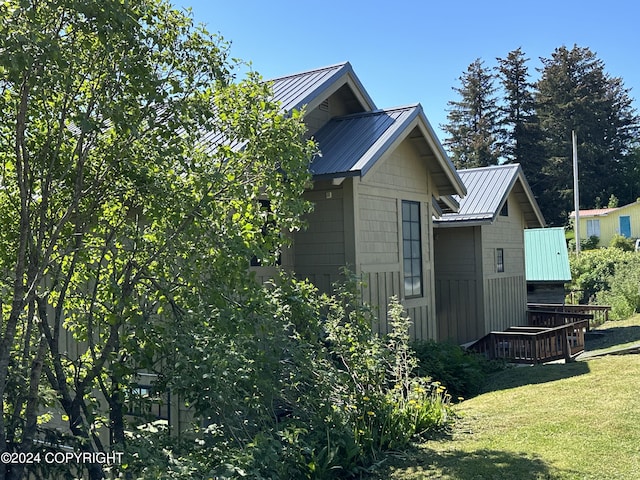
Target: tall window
pixel 412 249
pixel 499 260
pixel 593 228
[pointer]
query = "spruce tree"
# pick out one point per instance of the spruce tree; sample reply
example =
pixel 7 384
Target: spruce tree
pixel 522 139
pixel 575 93
pixel 473 120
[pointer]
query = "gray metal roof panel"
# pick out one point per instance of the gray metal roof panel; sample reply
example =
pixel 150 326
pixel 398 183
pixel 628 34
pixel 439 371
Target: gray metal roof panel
pixel 487 189
pixel 546 255
pixel 295 91
pixel 350 145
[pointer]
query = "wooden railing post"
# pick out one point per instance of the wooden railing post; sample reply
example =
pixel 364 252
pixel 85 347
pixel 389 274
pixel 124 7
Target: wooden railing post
pixel 567 344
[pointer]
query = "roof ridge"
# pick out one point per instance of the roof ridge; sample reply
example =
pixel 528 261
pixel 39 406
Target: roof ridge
pixel 378 111
pixel 313 70
pixel 490 167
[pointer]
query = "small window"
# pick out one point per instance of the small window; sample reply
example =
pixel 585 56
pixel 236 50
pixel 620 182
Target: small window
pixel 412 249
pixel 499 260
pixel 593 228
pixel 504 212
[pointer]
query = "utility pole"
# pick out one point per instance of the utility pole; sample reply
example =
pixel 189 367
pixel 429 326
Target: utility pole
pixel 576 192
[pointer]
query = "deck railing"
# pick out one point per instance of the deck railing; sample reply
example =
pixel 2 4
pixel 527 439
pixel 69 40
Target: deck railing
pixel 555 318
pixel 600 312
pixel 534 344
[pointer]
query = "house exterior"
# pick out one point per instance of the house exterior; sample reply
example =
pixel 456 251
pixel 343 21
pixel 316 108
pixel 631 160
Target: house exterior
pixel 605 223
pixel 381 179
pixel 479 254
pixel 546 265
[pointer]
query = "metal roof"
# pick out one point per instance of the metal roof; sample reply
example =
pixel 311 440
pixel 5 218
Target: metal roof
pixel 350 145
pixel 298 90
pixel 546 255
pixel 487 191
pixel 595 212
pixel 295 91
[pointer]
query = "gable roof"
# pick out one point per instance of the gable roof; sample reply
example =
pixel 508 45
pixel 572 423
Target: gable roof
pixel 309 88
pixel 546 255
pixel 488 189
pixel 352 144
pixel 594 212
pixel 312 87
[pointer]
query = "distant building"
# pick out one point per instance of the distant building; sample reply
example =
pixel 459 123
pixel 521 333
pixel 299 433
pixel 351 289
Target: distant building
pixel 547 265
pixel 605 223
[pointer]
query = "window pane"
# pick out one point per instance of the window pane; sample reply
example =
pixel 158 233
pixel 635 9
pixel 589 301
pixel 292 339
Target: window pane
pixel 407 266
pixel 415 212
pixel 406 211
pixel 415 267
pixel 415 231
pixel 406 230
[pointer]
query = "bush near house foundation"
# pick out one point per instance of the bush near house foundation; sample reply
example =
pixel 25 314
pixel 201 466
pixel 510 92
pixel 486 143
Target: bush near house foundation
pixel 292 384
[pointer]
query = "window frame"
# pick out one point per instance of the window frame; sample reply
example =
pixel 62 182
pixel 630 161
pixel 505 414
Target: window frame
pixel 593 227
pixel 412 268
pixel 500 260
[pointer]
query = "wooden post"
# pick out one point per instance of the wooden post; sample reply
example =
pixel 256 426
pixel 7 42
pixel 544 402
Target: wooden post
pixel 567 345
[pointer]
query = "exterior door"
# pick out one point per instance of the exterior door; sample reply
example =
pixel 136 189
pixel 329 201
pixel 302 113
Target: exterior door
pixel 625 226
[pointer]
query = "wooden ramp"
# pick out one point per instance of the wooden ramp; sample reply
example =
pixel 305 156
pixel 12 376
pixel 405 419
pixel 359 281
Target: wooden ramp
pixel 554 332
pixel 534 344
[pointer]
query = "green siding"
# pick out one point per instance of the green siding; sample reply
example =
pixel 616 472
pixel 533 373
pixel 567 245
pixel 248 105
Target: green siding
pixel 546 256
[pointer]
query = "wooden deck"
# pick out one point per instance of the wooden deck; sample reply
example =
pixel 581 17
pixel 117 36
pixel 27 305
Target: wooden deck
pixel 534 344
pixel 554 332
pixel 600 312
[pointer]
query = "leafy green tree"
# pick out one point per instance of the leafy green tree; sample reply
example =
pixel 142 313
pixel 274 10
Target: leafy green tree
pixel 522 141
pixel 473 126
pixel 574 93
pixel 119 215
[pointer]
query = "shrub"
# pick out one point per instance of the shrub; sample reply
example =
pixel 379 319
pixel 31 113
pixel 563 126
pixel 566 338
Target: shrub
pixel 292 384
pixel 623 243
pixel 623 294
pixel 592 271
pixel 461 371
pixel 590 243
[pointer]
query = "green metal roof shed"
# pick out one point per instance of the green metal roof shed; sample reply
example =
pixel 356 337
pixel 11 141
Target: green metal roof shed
pixel 546 255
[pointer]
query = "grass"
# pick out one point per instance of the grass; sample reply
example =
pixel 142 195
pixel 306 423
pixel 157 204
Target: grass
pixel 559 422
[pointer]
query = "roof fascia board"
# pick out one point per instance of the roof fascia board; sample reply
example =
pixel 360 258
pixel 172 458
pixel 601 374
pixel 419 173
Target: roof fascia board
pixel 532 199
pixel 443 159
pixel 461 223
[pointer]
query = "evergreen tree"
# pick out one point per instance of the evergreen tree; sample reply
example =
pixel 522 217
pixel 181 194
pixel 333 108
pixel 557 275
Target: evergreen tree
pixel 521 142
pixel 575 94
pixel 473 120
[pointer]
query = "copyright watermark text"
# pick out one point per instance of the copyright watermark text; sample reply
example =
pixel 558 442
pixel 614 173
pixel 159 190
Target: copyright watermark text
pixel 61 458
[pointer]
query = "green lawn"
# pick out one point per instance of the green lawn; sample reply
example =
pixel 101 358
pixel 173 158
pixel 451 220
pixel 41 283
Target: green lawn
pixel 562 421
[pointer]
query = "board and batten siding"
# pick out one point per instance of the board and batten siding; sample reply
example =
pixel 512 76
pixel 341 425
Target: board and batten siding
pixel 459 300
pixel 319 251
pixel 402 175
pixel 505 292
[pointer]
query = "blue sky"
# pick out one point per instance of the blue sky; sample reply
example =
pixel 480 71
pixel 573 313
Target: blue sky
pixel 410 51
